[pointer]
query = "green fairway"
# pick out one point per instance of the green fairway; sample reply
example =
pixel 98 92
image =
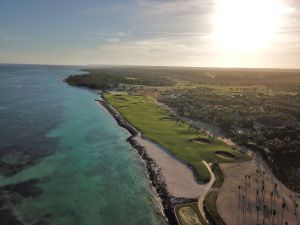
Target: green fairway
pixel 157 124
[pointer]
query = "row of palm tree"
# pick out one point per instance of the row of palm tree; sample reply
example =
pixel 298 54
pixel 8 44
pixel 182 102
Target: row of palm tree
pixel 268 210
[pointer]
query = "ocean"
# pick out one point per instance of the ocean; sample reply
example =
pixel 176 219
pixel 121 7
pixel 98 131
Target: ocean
pixel 63 159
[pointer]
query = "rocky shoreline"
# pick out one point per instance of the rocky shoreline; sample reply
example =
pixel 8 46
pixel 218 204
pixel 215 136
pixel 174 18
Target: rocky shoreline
pixel 158 181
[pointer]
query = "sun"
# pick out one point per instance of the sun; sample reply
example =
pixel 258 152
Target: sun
pixel 247 25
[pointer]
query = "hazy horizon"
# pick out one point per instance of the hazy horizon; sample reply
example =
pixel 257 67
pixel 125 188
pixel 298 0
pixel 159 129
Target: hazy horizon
pixel 192 33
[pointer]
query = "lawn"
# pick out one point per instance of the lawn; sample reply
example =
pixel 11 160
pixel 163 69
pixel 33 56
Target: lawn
pixel 157 124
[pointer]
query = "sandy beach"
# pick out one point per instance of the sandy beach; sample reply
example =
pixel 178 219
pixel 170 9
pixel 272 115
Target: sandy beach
pixel 178 176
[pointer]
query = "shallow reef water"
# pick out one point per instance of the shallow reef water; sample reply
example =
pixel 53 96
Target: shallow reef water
pixel 63 158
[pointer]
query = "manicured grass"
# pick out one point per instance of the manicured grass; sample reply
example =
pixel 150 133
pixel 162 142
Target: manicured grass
pixel 188 214
pixel 218 175
pixel 157 124
pixel 210 208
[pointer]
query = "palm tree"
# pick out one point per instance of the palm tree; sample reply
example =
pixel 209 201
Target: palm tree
pixel 239 204
pixel 273 216
pixel 249 177
pixel 275 187
pixel 246 188
pixel 244 222
pixel 263 191
pixel 257 214
pixel 256 200
pixel 264 210
pixel 282 210
pixel 272 194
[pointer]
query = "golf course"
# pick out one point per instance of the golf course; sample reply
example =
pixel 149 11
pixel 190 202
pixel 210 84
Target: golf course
pixel 183 141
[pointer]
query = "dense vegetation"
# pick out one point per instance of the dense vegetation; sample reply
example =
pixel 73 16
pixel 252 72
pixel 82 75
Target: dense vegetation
pixel 257 108
pixel 107 78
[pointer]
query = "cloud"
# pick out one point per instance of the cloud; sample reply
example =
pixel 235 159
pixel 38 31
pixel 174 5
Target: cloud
pixel 100 34
pixel 11 38
pixel 171 49
pixel 113 40
pixel 167 32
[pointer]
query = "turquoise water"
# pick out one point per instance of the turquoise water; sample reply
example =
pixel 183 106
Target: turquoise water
pixel 73 154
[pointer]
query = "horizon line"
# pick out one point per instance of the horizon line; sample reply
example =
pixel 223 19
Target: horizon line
pixel 135 65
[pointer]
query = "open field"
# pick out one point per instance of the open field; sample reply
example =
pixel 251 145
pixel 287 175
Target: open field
pixel 179 138
pixel 264 196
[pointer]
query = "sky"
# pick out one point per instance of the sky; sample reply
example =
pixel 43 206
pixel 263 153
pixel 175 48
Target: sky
pixel 202 33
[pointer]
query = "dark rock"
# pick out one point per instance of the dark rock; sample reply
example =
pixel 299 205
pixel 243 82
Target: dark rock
pixel 23 156
pixel 25 189
pixel 42 223
pixel 8 218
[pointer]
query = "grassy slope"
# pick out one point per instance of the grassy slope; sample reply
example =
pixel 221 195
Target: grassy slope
pixel 154 122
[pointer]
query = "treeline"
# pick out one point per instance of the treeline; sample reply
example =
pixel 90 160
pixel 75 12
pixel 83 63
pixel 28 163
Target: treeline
pixel 107 78
pixel 92 81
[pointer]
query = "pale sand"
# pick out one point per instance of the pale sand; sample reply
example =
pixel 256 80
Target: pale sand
pixel 227 202
pixel 178 176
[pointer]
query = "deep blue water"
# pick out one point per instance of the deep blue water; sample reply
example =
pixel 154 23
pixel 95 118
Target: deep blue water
pixel 63 158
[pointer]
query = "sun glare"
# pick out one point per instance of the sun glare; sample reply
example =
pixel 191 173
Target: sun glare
pixel 247 25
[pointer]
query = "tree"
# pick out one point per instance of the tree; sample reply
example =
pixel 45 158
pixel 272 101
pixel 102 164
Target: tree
pixel 283 205
pixel 273 216
pixel 263 191
pixel 249 177
pixel 257 197
pixel 257 214
pixel 272 194
pixel 239 204
pixel 275 187
pixel 264 216
pixel 244 221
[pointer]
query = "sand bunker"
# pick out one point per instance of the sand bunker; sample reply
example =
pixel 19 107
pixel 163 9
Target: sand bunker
pixel 225 155
pixel 200 140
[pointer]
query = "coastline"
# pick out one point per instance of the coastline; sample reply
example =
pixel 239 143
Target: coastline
pixel 158 182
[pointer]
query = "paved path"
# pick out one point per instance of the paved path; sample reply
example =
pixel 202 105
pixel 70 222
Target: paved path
pixel 206 190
